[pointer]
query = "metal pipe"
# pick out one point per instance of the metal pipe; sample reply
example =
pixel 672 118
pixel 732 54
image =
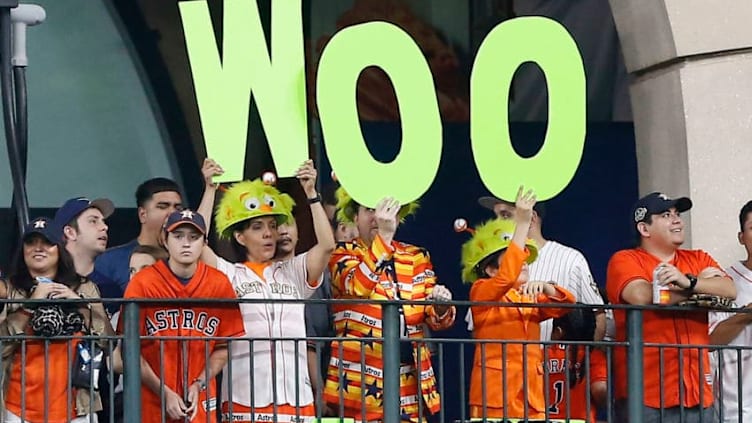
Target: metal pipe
pixel 634 366
pixel 131 360
pixel 391 355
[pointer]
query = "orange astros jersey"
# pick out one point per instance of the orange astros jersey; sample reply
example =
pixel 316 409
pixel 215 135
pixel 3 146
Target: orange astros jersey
pixel 179 363
pixel 557 383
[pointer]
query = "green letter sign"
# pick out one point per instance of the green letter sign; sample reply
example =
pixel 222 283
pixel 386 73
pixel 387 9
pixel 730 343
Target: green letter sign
pixel 223 87
pixel 349 52
pixel 507 46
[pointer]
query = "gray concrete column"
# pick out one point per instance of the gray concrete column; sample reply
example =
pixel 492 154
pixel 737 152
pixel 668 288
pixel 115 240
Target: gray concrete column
pixel 691 92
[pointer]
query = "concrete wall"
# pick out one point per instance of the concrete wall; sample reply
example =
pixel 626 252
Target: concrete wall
pixel 692 104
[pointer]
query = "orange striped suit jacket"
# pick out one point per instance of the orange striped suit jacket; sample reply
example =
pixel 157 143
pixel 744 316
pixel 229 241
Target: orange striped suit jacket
pixel 362 271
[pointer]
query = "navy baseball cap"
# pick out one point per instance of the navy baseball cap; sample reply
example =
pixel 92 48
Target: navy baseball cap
pixel 185 217
pixel 657 203
pixel 489 203
pixel 75 206
pixel 43 226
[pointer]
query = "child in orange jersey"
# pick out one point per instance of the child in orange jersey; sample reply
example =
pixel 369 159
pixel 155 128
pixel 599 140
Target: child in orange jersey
pixel 569 372
pixel 496 260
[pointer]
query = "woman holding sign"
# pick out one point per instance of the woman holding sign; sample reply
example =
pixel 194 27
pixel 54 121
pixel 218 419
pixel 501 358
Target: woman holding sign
pixel 267 379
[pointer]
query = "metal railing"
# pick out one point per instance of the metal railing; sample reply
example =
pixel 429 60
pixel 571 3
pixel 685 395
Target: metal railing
pixel 449 359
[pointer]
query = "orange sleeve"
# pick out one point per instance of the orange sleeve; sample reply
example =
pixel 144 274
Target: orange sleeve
pixel 706 260
pixel 562 296
pixel 356 270
pixel 622 269
pixel 494 288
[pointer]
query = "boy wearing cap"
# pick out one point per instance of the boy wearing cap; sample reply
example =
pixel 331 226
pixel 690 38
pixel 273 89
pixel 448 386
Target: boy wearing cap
pixel 84 233
pixel 179 369
pixel 660 232
pixel 496 262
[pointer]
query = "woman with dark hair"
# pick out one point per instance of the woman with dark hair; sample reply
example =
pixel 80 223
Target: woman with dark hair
pixel 569 370
pixel 37 381
pixel 274 383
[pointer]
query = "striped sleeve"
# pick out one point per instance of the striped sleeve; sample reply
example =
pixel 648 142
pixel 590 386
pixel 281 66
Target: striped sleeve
pixel 586 290
pixel 356 269
pixel 425 273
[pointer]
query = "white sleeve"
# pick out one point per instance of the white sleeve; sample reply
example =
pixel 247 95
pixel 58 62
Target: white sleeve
pixel 299 275
pixel 586 289
pixel 227 268
pixel 715 318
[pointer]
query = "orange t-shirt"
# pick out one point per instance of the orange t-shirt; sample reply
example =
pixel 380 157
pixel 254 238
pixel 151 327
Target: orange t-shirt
pixel 179 362
pixel 557 383
pixel 666 327
pixel 46 386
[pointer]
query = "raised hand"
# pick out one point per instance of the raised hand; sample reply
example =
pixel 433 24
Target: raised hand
pixel 209 170
pixel 386 218
pixel 524 204
pixel 307 176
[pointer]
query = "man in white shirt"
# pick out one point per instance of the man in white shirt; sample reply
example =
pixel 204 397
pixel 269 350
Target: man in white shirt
pixel 556 263
pixel 735 329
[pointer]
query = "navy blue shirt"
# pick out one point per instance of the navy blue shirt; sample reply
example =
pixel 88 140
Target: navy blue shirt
pixel 112 271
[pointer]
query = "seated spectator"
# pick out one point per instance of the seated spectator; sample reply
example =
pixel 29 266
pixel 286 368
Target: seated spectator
pixel 39 376
pixel 570 372
pixel 495 260
pixel 142 257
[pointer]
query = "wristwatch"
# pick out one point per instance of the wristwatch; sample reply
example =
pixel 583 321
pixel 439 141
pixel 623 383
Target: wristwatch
pixel 201 384
pixel 692 281
pixel 314 200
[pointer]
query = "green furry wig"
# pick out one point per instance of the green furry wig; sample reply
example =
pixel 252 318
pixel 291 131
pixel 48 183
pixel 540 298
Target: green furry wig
pixel 488 239
pixel 347 208
pixel 248 200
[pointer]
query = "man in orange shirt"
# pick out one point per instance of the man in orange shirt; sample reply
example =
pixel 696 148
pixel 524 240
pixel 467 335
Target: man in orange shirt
pixel 677 383
pixel 178 375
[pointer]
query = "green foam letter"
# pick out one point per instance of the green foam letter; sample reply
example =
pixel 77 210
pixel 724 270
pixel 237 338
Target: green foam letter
pixel 505 48
pixel 223 87
pixel 390 48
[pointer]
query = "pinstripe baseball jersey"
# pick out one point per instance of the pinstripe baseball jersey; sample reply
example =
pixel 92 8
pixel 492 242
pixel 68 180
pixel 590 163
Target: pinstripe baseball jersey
pixel 258 366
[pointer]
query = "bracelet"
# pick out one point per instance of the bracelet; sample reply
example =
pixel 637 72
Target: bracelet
pixel 314 200
pixel 26 311
pixel 201 384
